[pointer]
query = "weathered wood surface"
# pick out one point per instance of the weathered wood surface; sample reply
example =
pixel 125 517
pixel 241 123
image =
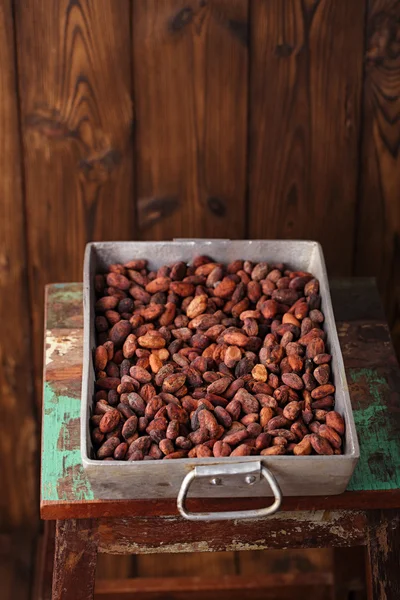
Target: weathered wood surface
pixel 224 587
pixel 74 560
pixel 309 529
pixel 383 552
pixel 18 498
pixel 79 541
pixel 378 232
pixel 190 77
pixel 16 552
pixel 282 569
pixel 305 100
pixel 76 114
pixel 373 382
pixel 44 562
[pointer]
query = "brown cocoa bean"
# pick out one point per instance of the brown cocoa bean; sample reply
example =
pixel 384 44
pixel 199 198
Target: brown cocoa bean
pixel 199 436
pixel 100 358
pixel 221 448
pixel 209 352
pixel 322 391
pixel 166 446
pixel 331 435
pixel 335 420
pixel 120 451
pixel 278 422
pixel 273 451
pixel 242 450
pixel 236 437
pixel 223 417
pixel 303 448
pixel 322 374
pixel 320 445
pixel 107 449
pixel 176 454
pixel 266 414
pixel 292 410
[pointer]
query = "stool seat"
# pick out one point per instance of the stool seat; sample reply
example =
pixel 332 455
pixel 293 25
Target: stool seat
pixel 87 525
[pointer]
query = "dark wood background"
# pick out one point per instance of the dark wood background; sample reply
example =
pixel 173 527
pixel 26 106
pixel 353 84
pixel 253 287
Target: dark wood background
pixel 153 119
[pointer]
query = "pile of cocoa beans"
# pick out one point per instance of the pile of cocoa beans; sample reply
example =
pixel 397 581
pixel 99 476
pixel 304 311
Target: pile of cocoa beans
pixel 208 359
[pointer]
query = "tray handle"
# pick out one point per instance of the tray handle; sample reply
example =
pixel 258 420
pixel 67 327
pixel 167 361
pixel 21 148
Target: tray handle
pixel 214 472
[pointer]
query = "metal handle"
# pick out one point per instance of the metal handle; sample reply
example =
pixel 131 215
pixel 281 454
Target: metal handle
pixel 214 471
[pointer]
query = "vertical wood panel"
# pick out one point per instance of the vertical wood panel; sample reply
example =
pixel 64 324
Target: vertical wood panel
pixel 378 242
pixel 18 474
pixel 190 81
pixel 306 71
pixel 209 564
pixel 75 80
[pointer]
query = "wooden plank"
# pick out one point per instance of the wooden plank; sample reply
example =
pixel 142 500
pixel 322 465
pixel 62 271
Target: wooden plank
pixel 349 573
pixel 306 74
pixel 226 587
pixel 374 381
pixel 378 433
pixel 16 564
pixel 93 509
pixel 312 561
pixel 384 550
pixel 18 499
pixel 189 565
pixel 75 73
pixel 378 231
pixel 74 560
pixel 44 562
pixel 115 567
pixel 190 79
pixel 319 529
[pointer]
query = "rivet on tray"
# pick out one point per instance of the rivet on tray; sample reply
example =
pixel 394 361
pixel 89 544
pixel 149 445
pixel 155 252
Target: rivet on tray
pixel 250 479
pixel 216 481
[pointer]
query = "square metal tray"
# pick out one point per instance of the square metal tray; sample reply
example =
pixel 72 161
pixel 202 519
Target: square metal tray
pixel 296 475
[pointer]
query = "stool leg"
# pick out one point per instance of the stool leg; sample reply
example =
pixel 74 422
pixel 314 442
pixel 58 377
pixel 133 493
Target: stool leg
pixel 75 560
pixel 383 573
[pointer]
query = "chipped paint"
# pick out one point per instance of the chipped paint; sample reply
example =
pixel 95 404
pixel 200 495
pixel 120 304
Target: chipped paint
pixel 379 465
pixel 142 534
pixel 57 455
pixel 60 345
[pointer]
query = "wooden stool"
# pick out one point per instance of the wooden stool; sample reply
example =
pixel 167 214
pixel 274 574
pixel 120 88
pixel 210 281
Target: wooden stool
pixel 365 515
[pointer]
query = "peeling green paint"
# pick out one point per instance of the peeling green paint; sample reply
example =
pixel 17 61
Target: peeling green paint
pixel 379 464
pixel 58 456
pixel 64 305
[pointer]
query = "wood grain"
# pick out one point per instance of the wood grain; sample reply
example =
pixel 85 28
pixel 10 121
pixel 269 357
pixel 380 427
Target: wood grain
pixel 306 79
pixel 44 559
pixel 16 565
pixel 115 567
pixel 75 560
pixel 18 439
pixel 320 529
pixel 383 551
pixel 378 233
pixel 285 586
pixel 74 71
pixel 190 80
pixel 190 564
pixel 269 562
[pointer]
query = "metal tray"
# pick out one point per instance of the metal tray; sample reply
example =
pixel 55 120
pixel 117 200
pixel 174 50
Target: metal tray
pixel 212 477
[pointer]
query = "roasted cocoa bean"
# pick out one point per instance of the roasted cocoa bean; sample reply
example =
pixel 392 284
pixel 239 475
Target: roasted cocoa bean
pixel 210 355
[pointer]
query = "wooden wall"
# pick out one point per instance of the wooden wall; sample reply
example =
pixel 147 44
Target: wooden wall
pixel 149 119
